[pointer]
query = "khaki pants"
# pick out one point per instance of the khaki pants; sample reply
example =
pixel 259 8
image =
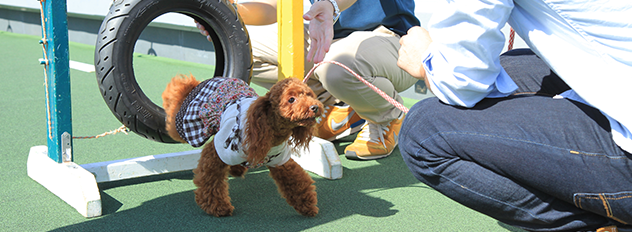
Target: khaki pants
pixel 371 54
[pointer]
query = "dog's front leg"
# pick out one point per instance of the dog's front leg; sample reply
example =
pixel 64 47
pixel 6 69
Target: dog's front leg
pixel 211 178
pixel 295 185
pixel 238 171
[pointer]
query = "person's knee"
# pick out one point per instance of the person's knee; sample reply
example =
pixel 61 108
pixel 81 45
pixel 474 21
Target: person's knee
pixel 418 125
pixel 332 74
pixel 416 135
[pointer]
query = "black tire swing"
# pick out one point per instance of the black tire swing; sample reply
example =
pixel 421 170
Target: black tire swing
pixel 117 37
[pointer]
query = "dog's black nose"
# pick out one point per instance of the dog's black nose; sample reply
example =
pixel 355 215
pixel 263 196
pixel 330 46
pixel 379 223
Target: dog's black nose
pixel 314 108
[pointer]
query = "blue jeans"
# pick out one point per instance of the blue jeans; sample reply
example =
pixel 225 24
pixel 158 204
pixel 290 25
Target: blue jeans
pixel 527 160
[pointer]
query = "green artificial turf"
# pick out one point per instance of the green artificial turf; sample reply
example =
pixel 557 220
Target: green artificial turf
pixel 379 195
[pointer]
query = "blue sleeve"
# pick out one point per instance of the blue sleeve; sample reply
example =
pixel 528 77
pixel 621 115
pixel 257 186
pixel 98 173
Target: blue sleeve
pixel 463 62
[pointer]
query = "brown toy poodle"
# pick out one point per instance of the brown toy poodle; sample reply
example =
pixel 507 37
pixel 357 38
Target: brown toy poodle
pixel 248 131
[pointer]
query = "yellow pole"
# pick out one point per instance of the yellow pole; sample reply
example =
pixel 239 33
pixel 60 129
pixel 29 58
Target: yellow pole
pixel 290 21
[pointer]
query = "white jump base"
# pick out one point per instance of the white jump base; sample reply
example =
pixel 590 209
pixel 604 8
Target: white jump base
pixel 77 184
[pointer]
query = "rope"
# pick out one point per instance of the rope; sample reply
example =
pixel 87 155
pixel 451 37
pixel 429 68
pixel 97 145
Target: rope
pixel 512 35
pixel 375 89
pixel 44 43
pixel 122 129
pixel 45 62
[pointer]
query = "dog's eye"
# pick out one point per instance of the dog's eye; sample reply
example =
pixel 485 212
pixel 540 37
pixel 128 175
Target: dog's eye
pixel 291 100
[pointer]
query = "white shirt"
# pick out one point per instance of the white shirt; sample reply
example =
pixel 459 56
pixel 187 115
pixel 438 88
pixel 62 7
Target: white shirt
pixel 225 133
pixel 588 43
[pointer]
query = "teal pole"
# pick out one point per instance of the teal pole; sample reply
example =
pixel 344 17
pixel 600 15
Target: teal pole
pixel 56 63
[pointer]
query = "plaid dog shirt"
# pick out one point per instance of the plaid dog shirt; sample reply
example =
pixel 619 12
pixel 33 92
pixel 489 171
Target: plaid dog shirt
pixel 199 116
pixel 218 106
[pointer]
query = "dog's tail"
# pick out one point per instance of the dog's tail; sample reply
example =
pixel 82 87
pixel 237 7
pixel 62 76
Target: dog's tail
pixel 172 98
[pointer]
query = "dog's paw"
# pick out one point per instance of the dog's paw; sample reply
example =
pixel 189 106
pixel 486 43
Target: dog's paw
pixel 221 211
pixel 214 206
pixel 306 204
pixel 217 209
pixel 309 211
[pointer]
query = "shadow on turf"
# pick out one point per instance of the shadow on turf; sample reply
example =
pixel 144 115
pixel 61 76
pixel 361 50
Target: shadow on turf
pixel 257 203
pixel 258 206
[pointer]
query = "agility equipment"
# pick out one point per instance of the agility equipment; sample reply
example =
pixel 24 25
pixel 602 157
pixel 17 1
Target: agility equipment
pixel 52 165
pixel 322 157
pixel 118 34
pixel 290 53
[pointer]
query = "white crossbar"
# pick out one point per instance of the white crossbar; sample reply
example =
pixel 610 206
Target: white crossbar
pixel 77 184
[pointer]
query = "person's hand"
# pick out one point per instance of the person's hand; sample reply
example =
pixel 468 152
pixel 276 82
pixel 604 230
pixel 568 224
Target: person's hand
pixel 203 31
pixel 321 30
pixel 413 45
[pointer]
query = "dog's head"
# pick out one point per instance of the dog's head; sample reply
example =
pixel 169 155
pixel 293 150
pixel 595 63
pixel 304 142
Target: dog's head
pixel 294 103
pixel 172 98
pixel 289 108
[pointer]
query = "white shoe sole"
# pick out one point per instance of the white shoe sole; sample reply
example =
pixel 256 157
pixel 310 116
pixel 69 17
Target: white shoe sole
pixel 352 130
pixel 352 155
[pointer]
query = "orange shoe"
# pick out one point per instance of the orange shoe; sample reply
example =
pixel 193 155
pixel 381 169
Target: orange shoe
pixel 338 121
pixel 375 141
pixel 608 229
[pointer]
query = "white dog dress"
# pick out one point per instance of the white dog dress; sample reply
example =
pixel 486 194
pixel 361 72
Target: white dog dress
pixel 218 106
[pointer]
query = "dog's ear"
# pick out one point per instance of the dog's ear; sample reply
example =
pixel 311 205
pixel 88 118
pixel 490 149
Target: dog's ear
pixel 172 98
pixel 258 132
pixel 277 89
pixel 302 135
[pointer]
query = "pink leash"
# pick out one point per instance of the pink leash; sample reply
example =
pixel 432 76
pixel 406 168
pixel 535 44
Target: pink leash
pixel 512 35
pixel 378 91
pixel 399 106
